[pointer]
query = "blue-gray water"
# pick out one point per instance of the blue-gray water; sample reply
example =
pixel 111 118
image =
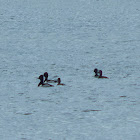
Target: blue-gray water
pixel 68 39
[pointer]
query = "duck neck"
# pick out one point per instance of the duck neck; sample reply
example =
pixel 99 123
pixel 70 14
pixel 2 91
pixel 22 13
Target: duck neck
pixel 46 79
pixel 100 73
pixel 96 74
pixel 41 82
pixel 59 81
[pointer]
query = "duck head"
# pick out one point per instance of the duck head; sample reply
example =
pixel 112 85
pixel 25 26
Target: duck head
pixel 41 80
pixel 96 71
pixel 100 72
pixel 46 76
pixel 59 80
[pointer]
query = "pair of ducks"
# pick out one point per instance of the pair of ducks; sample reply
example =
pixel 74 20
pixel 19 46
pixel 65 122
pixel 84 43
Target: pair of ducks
pixel 41 77
pixel 100 73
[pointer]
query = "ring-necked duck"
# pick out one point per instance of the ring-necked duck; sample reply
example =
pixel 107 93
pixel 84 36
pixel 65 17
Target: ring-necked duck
pixel 46 76
pixel 100 76
pixel 42 82
pixel 59 82
pixel 96 72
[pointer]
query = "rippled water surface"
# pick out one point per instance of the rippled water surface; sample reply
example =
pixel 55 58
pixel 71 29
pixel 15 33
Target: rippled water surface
pixel 68 39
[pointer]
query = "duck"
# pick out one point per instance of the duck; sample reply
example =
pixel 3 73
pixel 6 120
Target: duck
pixel 42 82
pixel 100 76
pixel 46 78
pixel 59 82
pixel 96 72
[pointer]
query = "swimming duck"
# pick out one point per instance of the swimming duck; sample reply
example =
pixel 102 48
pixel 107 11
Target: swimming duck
pixel 42 82
pixel 100 76
pixel 59 82
pixel 96 72
pixel 46 78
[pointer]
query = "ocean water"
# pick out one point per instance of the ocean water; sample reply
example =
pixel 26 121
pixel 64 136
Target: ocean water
pixel 68 39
